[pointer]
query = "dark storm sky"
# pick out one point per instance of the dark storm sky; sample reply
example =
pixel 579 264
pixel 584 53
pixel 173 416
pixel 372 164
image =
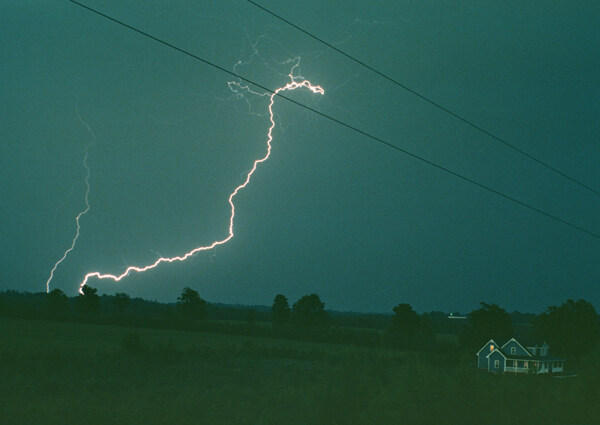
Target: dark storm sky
pixel 331 212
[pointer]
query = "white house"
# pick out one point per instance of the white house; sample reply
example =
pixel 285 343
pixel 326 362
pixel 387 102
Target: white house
pixel 514 357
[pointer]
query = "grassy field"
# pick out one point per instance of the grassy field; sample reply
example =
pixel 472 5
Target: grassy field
pixel 65 373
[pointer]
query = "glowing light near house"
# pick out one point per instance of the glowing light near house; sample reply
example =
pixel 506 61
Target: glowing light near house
pixel 295 83
pixel 87 203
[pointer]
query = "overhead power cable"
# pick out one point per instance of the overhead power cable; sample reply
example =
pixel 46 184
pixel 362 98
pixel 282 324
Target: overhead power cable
pixel 428 100
pixel 337 121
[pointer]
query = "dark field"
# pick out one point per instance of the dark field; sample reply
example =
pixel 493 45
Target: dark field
pixel 65 373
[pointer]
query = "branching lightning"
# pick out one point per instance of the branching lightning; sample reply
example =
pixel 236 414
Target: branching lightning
pixel 295 83
pixel 87 194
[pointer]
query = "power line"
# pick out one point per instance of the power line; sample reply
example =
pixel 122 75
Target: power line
pixel 428 100
pixel 337 121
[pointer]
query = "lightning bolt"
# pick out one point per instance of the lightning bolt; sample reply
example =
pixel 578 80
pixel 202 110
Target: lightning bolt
pixel 87 194
pixel 292 85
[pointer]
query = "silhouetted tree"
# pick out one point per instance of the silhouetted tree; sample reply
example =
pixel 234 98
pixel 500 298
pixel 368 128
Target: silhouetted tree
pixel 309 311
pixel 251 317
pixel 121 301
pixel 571 329
pixel 89 301
pixel 57 303
pixel 280 310
pixel 409 330
pixel 490 321
pixel 190 306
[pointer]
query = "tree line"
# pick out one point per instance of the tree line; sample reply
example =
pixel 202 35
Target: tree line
pixel 571 329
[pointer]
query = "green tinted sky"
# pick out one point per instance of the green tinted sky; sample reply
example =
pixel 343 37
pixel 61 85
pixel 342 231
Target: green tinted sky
pixel 331 212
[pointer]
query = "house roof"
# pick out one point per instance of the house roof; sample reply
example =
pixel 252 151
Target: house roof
pixel 485 345
pixel 530 357
pixel 526 358
pixel 531 344
pixel 497 350
pixel 512 339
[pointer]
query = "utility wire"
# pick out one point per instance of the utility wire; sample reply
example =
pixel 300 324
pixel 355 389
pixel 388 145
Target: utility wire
pixel 428 100
pixel 335 120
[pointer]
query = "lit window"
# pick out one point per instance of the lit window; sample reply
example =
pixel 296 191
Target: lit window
pixel 526 365
pixel 513 350
pixel 492 347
